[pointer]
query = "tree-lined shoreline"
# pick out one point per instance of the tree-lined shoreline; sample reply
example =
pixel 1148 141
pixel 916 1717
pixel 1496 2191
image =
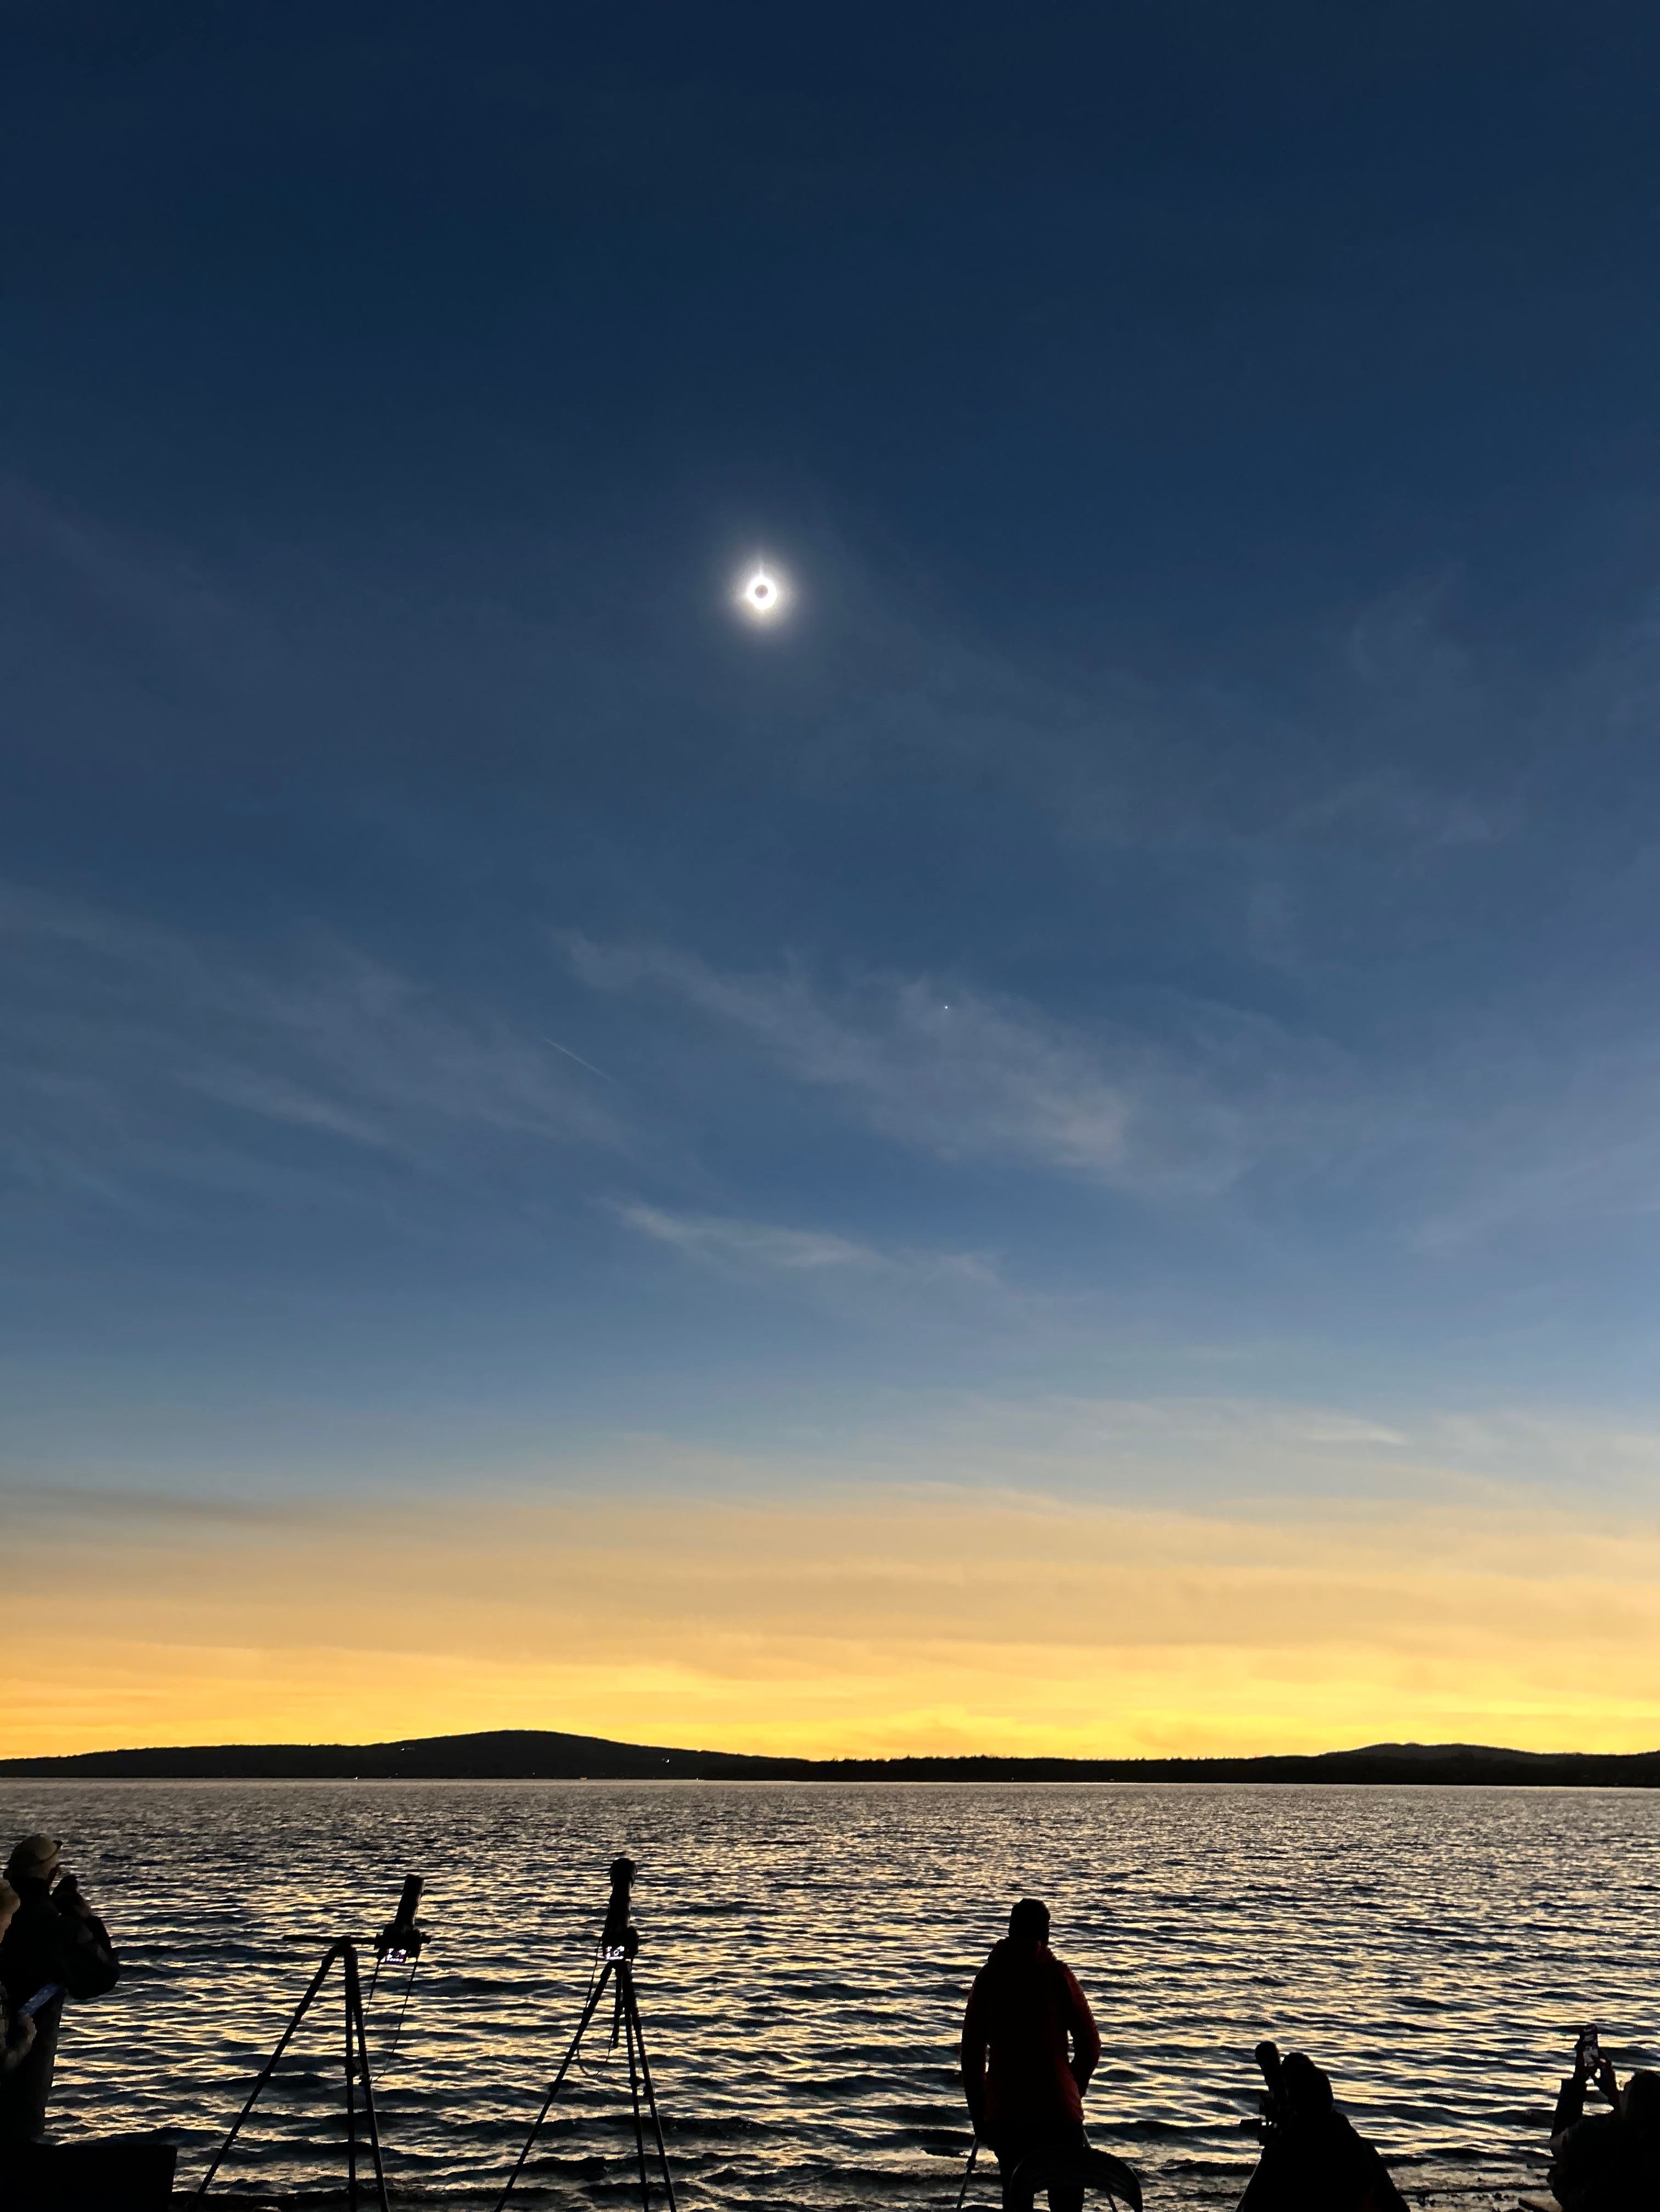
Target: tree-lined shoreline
pixel 537 1754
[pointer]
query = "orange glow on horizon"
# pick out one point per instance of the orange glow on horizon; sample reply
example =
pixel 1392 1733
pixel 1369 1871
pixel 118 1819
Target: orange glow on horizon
pixel 858 1623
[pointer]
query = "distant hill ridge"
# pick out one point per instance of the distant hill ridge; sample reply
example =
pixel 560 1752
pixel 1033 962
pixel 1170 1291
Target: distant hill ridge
pixel 548 1755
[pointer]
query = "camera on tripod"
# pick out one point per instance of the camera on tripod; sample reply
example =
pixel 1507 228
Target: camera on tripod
pixel 618 1940
pixel 619 1944
pixel 398 1943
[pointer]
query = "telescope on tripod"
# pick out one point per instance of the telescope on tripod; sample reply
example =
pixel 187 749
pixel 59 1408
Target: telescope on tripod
pixel 619 1945
pixel 400 1942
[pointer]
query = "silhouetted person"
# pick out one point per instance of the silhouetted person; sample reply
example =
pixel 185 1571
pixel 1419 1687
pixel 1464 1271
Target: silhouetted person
pixel 1030 2046
pixel 1609 2162
pixel 1312 2160
pixel 16 2029
pixel 55 1941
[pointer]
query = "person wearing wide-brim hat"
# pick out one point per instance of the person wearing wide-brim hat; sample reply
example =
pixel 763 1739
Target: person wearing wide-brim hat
pixel 55 1942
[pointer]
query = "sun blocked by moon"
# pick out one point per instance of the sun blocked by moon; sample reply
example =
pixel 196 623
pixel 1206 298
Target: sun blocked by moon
pixel 763 593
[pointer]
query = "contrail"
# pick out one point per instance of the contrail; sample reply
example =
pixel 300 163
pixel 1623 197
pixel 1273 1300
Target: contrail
pixel 578 1058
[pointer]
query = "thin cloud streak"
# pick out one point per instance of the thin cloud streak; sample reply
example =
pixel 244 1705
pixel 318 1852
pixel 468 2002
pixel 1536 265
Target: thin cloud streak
pixel 1213 1099
pixel 969 1076
pixel 763 1249
pixel 120 1040
pixel 578 1058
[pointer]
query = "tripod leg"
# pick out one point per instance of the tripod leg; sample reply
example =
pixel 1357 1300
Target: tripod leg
pixel 355 2001
pixel 651 2096
pixel 402 2009
pixel 625 1984
pixel 270 2066
pixel 974 2152
pixel 588 2011
pixel 349 1978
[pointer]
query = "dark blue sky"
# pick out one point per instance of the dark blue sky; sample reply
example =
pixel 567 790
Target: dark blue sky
pixel 1170 912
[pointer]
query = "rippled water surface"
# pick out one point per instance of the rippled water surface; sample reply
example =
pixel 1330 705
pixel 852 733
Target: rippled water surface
pixel 806 1950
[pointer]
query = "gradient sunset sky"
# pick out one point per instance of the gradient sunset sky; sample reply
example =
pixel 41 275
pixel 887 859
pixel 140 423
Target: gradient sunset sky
pixel 1058 1151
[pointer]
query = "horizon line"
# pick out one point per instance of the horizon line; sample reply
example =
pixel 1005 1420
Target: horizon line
pixel 609 1750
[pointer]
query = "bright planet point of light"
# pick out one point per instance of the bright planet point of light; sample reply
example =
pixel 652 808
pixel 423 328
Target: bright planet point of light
pixel 763 596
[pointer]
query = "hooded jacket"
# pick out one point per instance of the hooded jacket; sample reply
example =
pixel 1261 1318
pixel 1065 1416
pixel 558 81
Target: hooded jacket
pixel 1025 2005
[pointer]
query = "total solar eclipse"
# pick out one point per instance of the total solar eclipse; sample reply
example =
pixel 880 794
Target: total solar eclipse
pixel 763 595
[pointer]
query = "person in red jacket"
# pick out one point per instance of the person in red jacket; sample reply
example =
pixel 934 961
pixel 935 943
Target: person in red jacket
pixel 1029 2046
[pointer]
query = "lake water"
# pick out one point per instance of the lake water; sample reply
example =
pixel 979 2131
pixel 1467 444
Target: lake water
pixel 807 1951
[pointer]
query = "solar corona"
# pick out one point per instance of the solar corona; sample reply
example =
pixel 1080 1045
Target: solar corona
pixel 763 595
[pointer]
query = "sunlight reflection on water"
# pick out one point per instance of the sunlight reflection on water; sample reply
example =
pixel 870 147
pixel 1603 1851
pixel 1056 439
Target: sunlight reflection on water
pixel 806 1950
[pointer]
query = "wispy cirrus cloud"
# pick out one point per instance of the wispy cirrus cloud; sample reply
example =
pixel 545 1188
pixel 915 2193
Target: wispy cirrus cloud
pixel 1455 1135
pixel 967 1075
pixel 1545 1133
pixel 129 1050
pixel 765 1250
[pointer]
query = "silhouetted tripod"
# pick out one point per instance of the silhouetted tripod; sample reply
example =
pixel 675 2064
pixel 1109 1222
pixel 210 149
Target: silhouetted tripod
pixel 357 2065
pixel 618 1944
